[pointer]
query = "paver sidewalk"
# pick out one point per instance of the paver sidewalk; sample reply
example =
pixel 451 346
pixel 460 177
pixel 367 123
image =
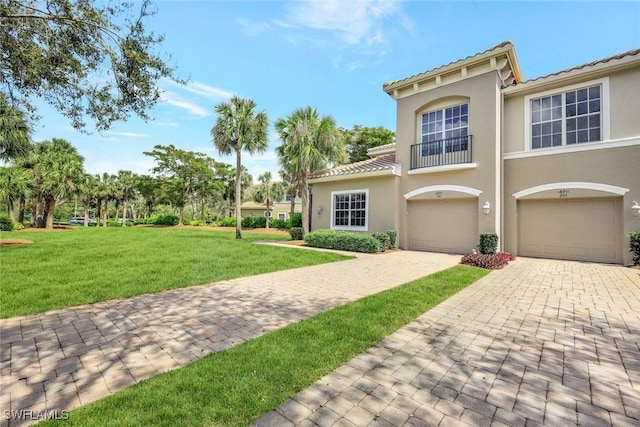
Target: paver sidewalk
pixel 62 359
pixel 541 342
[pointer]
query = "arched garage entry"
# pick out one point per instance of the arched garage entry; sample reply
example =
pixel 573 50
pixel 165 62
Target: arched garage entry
pixel 571 220
pixel 442 218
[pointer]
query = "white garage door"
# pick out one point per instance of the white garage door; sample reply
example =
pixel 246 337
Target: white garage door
pixel 584 230
pixel 449 225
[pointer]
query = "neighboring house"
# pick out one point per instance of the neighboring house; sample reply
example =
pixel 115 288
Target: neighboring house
pixel 280 209
pixel 552 164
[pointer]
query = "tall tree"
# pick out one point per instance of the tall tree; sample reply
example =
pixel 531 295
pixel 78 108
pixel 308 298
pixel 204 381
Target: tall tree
pixel 267 192
pixel 359 139
pixel 87 189
pixel 309 144
pixel 84 58
pixel 15 133
pixel 107 190
pixel 185 168
pixel 239 128
pixel 15 183
pixel 57 169
pixel 126 181
pixel 290 184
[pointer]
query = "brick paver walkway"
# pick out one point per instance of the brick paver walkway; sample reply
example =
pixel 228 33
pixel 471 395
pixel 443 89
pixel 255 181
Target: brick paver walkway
pixel 541 342
pixel 62 359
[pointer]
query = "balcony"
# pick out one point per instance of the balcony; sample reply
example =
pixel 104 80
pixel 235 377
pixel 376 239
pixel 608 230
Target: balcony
pixel 444 152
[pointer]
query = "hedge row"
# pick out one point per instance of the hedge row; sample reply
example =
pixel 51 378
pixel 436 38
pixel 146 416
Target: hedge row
pixel 349 241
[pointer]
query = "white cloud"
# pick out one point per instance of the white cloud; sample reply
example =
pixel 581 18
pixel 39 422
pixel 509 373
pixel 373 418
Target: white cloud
pixel 357 21
pixel 131 134
pixel 172 124
pixel 175 100
pixel 207 91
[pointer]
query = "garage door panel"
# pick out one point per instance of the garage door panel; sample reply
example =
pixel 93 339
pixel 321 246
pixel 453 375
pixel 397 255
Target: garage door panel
pixel 443 225
pixel 587 230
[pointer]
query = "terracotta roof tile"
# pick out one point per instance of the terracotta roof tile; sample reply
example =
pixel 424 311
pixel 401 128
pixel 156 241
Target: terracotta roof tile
pixel 387 161
pixel 382 149
pixel 503 44
pixel 633 52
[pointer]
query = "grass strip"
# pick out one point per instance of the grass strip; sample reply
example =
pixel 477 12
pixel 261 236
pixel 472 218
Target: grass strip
pixel 85 265
pixel 236 386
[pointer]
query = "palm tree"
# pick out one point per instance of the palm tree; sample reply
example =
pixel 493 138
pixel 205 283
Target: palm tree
pixel 87 190
pixel 239 128
pixel 309 143
pixel 15 133
pixel 57 168
pixel 14 185
pixel 106 191
pixel 125 181
pixel 267 192
pixel 290 185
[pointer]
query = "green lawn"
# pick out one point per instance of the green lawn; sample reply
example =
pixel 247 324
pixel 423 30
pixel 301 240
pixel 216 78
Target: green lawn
pixel 72 267
pixel 238 385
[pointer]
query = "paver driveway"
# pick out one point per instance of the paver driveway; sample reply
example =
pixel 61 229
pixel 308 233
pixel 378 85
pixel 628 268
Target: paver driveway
pixel 541 342
pixel 59 360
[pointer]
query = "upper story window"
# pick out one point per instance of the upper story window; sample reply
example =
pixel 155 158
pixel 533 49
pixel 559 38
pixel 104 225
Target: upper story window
pixel 574 115
pixel 287 197
pixel 451 123
pixel 349 210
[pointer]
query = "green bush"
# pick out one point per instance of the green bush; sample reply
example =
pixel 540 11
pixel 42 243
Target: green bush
pixel 197 222
pixel 296 219
pixel 393 238
pixel 634 246
pixel 167 220
pixel 254 222
pixel 226 222
pixel 18 225
pixel 488 243
pixel 384 239
pixel 278 223
pixel 113 223
pixel 343 240
pixel 296 233
pixel 5 223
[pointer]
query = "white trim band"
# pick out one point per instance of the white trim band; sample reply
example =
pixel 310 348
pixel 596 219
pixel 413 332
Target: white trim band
pixel 456 188
pixel 620 191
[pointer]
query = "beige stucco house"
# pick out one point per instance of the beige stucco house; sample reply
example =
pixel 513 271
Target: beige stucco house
pixel 552 164
pixel 280 209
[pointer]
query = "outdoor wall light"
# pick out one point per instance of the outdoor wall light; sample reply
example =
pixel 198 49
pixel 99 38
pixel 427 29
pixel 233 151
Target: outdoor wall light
pixel 486 208
pixel 320 209
pixel 635 208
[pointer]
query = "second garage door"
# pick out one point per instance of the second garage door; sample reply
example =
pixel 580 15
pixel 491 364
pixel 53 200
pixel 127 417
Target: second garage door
pixel 448 225
pixel 585 230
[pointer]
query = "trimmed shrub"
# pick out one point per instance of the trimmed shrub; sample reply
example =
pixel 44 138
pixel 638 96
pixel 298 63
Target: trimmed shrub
pixel 296 233
pixel 167 220
pixel 384 239
pixel 278 223
pixel 17 225
pixel 5 223
pixel 393 238
pixel 487 261
pixel 343 240
pixel 197 222
pixel 488 243
pixel 634 246
pixel 254 222
pixel 226 222
pixel 296 220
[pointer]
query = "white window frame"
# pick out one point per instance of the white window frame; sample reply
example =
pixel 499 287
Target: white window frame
pixel 366 210
pixel 282 216
pixel 604 115
pixel 443 131
pixel 265 214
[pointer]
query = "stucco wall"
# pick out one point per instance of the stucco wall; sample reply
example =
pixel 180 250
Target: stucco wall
pixel 615 166
pixel 483 95
pixel 382 196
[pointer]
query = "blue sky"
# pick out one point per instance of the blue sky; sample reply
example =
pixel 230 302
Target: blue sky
pixel 333 55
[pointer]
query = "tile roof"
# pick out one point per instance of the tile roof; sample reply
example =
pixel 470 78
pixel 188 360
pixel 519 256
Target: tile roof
pixel 623 55
pixel 503 44
pixel 382 149
pixel 380 163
